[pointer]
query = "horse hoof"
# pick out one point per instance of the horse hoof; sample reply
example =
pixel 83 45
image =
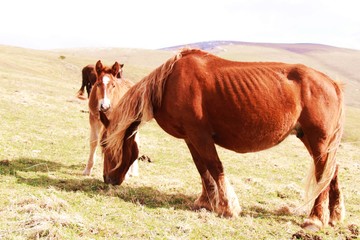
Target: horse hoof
pixel 202 204
pixel 228 214
pixel 235 206
pixel 312 225
pixel 233 213
pixel 86 172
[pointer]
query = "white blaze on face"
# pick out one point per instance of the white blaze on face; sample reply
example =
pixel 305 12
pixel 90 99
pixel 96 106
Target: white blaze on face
pixel 105 102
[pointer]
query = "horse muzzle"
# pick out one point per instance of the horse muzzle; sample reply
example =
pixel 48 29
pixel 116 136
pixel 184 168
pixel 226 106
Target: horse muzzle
pixel 104 107
pixel 104 104
pixel 111 181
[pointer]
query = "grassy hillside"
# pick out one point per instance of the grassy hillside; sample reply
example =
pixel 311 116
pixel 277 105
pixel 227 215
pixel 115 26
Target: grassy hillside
pixel 44 136
pixel 137 62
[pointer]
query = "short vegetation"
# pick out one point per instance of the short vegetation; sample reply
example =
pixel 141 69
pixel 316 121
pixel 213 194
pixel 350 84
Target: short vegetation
pixel 44 134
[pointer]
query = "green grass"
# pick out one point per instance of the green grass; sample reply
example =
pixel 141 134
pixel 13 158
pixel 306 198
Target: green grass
pixel 352 126
pixel 44 147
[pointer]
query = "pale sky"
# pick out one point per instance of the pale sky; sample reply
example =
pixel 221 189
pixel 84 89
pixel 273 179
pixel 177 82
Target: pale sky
pixel 153 24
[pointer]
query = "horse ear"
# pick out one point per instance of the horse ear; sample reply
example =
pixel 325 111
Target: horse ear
pixel 115 69
pixel 98 67
pixel 119 74
pixel 104 119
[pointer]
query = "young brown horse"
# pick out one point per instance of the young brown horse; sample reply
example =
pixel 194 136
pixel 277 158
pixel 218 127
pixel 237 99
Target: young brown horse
pixel 89 78
pixel 107 90
pixel 241 106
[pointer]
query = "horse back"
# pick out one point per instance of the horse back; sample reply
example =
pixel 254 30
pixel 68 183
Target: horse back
pixel 89 74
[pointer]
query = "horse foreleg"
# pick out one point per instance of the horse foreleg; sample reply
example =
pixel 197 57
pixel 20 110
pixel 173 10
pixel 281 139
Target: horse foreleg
pixel 209 196
pixel 228 205
pixel 94 138
pixel 217 193
pixel 134 168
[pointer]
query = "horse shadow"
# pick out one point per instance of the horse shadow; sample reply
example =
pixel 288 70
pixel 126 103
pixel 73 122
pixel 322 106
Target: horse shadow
pixel 258 212
pixel 43 176
pixel 44 170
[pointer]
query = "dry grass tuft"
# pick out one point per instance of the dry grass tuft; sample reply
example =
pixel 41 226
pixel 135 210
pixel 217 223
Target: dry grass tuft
pixel 41 216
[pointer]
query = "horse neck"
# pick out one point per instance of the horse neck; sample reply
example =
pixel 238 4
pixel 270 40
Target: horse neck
pixel 137 105
pixel 93 104
pixel 121 89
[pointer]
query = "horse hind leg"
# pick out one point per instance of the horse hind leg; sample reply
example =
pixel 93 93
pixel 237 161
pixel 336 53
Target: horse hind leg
pixel 322 184
pixel 331 198
pixel 80 93
pixel 336 201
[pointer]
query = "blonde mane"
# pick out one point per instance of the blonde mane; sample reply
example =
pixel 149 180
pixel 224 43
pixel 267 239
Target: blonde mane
pixel 137 105
pixel 123 85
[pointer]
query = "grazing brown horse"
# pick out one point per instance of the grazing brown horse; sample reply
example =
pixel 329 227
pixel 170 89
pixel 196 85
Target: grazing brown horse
pixel 108 90
pixel 241 106
pixel 89 78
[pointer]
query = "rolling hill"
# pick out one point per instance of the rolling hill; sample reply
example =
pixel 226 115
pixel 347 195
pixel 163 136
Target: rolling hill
pixel 339 63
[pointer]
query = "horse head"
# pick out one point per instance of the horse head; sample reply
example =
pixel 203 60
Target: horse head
pixel 116 165
pixel 105 85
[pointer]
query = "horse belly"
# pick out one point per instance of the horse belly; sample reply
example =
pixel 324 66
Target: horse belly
pixel 250 140
pixel 230 128
pixel 253 129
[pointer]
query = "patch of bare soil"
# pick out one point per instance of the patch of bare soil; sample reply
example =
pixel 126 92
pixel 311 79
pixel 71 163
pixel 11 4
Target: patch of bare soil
pixel 4 162
pixel 305 236
pixel 352 232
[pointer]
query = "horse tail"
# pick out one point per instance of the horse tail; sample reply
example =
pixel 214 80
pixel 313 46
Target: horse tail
pixel 137 105
pixel 313 188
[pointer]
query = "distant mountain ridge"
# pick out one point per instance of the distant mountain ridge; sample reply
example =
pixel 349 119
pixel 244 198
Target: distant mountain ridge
pixel 292 47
